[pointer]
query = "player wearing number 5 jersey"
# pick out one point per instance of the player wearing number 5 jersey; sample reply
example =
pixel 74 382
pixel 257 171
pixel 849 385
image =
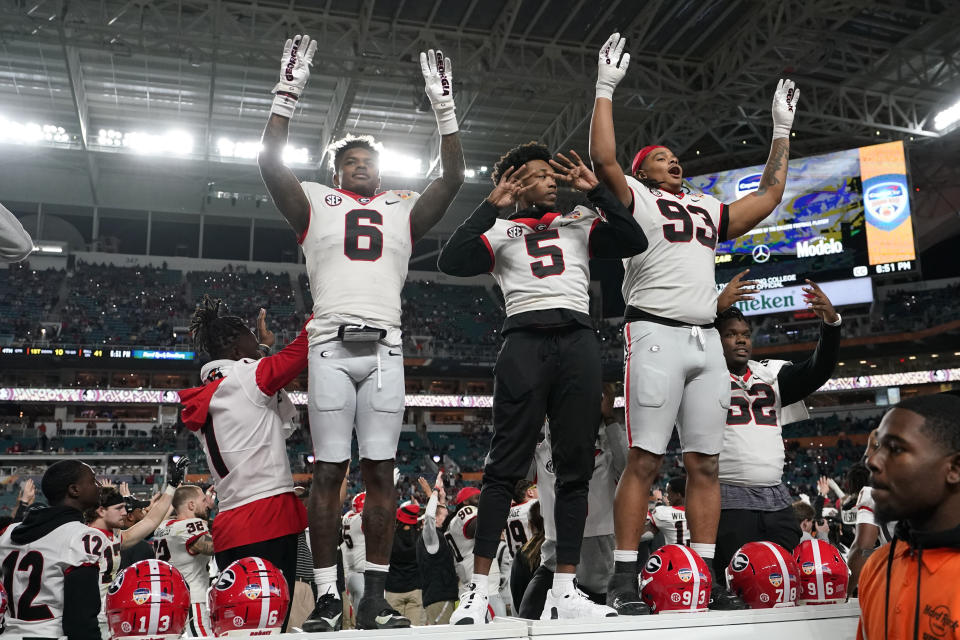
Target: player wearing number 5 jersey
pixel 674 373
pixel 50 572
pixel 764 396
pixel 549 364
pixel 357 243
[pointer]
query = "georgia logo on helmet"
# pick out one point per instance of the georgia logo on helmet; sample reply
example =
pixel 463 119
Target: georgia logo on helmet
pixel 249 594
pixel 823 572
pixel 764 575
pixel 149 598
pixel 358 501
pixel 675 578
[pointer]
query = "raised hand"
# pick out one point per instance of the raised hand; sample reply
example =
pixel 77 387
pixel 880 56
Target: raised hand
pixel 438 85
pixel 264 335
pixel 294 73
pixel 785 100
pixel 818 301
pixel 736 290
pixel 124 489
pixel 510 187
pixel 611 67
pixel 425 487
pixel 574 172
pixel 178 472
pixel 28 492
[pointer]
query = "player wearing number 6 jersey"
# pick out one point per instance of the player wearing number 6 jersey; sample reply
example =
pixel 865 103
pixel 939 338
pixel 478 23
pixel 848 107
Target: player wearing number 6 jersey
pixel 357 243
pixel 674 373
pixel 50 571
pixel 764 396
pixel 549 364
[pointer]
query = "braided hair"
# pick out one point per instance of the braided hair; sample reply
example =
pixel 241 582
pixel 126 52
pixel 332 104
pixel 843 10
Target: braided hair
pixel 212 333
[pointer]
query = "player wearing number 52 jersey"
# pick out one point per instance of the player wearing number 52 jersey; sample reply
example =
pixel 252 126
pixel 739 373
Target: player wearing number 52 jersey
pixel 357 243
pixel 549 364
pixel 50 572
pixel 673 370
pixel 765 396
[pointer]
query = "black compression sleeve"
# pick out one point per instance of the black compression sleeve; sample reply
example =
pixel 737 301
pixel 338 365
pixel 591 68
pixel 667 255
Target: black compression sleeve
pixel 799 380
pixel 81 603
pixel 621 235
pixel 466 253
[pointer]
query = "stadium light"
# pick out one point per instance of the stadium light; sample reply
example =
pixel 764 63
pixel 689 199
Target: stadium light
pixel 31 132
pixel 174 142
pixel 248 150
pixel 470 173
pixel 399 164
pixel 947 117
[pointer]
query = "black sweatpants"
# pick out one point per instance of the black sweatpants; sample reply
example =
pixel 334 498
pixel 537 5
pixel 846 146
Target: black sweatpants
pixel 740 526
pixel 282 552
pixel 543 373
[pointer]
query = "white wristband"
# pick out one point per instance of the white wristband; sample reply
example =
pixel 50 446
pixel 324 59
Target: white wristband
pixel 447 120
pixel 781 131
pixel 605 91
pixel 170 490
pixel 284 105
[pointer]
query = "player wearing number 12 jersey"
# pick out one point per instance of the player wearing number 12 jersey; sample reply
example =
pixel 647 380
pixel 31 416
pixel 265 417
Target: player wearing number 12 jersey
pixel 357 243
pixel 673 370
pixel 549 364
pixel 50 572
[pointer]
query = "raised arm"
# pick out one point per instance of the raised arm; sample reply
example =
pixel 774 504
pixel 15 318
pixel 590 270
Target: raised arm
pixel 603 141
pixel 436 198
pixel 159 506
pixel 751 209
pixel 280 181
pixel 799 380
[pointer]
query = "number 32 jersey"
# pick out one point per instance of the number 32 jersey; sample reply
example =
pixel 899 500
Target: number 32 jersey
pixel 357 251
pixel 674 277
pixel 172 542
pixel 543 263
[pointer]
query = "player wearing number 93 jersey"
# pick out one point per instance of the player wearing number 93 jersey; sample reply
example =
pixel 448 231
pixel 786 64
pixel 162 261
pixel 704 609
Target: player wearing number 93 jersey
pixel 50 574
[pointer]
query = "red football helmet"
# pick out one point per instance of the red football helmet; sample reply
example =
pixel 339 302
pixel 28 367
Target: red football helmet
pixel 250 593
pixel 823 572
pixel 764 575
pixel 675 578
pixel 358 501
pixel 149 598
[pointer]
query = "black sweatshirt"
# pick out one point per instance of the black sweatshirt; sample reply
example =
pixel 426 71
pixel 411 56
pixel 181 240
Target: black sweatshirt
pixel 800 379
pixel 466 254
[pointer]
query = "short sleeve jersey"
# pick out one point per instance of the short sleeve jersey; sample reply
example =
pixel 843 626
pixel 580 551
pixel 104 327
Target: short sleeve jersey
pixel 674 278
pixel 172 542
pixel 106 544
pixel 672 523
pixel 543 263
pixel 357 251
pixel 355 552
pixel 460 544
pixel 33 577
pixel 518 526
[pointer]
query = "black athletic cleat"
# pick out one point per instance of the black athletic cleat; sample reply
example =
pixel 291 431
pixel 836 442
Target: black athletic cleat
pixel 722 599
pixel 326 616
pixel 376 613
pixel 623 596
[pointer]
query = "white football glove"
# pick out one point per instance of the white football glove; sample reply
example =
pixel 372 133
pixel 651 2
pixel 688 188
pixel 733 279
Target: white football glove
pixel 438 80
pixel 612 67
pixel 294 73
pixel 785 100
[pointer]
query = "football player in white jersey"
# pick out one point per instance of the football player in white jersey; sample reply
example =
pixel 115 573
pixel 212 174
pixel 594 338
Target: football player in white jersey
pixel 50 566
pixel 549 365
pixel 354 548
pixel 108 520
pixel 671 519
pixel 185 542
pixel 516 534
pixel 764 396
pixel 673 369
pixel 357 243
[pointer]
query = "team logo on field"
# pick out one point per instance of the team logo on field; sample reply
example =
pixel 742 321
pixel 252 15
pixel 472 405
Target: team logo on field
pixel 363 200
pixel 252 591
pixel 808 568
pixel 141 595
pixel 653 564
pixel 656 192
pixel 685 574
pixel 227 578
pixel 333 200
pixel 515 231
pixel 740 561
pixel 776 579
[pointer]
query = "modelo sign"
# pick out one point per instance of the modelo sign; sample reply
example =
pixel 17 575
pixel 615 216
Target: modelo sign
pixel 840 292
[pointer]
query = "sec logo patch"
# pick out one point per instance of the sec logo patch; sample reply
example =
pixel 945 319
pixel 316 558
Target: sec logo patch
pixel 237 621
pixel 675 597
pixel 515 231
pixel 333 200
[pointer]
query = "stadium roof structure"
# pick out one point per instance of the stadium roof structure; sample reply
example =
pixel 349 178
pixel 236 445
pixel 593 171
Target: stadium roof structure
pixel 701 78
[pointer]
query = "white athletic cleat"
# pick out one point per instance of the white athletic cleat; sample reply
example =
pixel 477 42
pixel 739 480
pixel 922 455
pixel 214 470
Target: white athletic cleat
pixel 574 605
pixel 474 607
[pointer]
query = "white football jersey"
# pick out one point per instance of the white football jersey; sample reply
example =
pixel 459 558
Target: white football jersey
pixel 354 541
pixel 357 251
pixel 172 542
pixel 674 277
pixel 753 454
pixel 866 515
pixel 672 523
pixel 518 526
pixel 543 263
pixel 33 576
pixel 106 544
pixel 460 544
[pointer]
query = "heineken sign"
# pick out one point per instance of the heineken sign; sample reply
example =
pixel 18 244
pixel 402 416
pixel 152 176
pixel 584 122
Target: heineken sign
pixel 840 292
